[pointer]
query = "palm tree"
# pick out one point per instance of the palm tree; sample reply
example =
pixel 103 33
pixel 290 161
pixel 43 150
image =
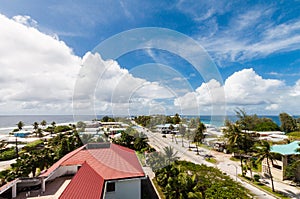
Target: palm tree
pixel 35 127
pixel 188 137
pixel 264 153
pixel 140 143
pixel 52 128
pixel 20 125
pixel 170 154
pixel 234 137
pixel 43 123
pixel 199 135
pixel 39 132
pixel 182 131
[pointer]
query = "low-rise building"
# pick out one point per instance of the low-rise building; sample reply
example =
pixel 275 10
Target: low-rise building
pixel 283 153
pixel 100 171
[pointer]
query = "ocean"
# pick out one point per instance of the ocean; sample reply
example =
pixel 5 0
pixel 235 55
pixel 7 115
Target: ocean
pixel 9 122
pixel 218 121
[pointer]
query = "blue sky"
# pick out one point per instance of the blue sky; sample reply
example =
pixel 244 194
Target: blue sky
pixel 245 39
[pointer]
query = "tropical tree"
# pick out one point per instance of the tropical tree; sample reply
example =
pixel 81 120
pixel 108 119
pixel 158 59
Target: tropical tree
pixel 199 135
pixel 43 123
pixel 53 124
pixel 156 160
pixel 264 153
pixel 188 137
pixel 182 131
pixel 140 143
pixel 170 155
pixel 20 125
pixel 176 119
pixel 39 132
pixel 194 122
pixel 35 127
pixel 254 123
pixel 288 123
pixel 184 180
pixel 238 141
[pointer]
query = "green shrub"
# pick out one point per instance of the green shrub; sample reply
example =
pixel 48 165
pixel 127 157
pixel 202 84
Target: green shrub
pixel 256 177
pixel 8 154
pixel 64 128
pixel 33 145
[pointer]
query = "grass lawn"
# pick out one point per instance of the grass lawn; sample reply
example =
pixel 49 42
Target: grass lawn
pixel 294 135
pixel 204 146
pixel 141 158
pixel 234 159
pixel 211 160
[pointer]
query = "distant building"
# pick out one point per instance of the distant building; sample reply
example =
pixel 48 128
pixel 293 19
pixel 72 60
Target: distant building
pixel 279 165
pixel 274 136
pixel 22 134
pixel 165 128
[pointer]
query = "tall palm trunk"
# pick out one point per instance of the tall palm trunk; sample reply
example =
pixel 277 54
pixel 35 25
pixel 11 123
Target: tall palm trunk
pixel 241 159
pixel 270 173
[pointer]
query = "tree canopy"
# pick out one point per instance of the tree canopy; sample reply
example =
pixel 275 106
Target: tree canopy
pixel 254 123
pixel 183 179
pixel 288 123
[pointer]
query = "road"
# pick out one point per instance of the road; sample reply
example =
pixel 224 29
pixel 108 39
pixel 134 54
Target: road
pixel 230 167
pixel 6 164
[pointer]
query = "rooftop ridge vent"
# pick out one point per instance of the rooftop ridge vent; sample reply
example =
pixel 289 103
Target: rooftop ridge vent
pixel 97 145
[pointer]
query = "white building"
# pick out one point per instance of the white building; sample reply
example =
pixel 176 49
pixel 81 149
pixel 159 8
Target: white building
pixel 100 171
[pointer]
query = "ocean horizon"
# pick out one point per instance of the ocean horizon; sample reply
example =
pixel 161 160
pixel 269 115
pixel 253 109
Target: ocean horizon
pixel 10 121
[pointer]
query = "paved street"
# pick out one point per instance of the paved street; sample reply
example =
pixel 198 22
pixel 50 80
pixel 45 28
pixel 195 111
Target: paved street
pixel 6 164
pixel 232 168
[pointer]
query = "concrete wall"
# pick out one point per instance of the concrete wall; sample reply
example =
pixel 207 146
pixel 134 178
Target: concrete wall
pixel 277 173
pixel 64 170
pixel 125 189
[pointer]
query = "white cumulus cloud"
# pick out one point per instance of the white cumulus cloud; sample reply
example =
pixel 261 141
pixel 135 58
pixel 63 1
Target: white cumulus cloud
pixel 37 71
pixel 103 86
pixel 244 89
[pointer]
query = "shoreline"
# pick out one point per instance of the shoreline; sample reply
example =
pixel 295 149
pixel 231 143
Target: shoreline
pixel 4 131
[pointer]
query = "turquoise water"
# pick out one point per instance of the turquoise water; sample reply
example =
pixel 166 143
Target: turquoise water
pixel 11 120
pixel 218 121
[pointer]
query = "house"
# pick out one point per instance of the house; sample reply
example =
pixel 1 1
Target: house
pixel 274 136
pixel 22 134
pixel 166 128
pixel 100 171
pixel 282 154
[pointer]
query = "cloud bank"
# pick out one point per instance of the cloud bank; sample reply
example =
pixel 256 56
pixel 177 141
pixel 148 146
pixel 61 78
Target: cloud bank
pixel 246 89
pixel 39 73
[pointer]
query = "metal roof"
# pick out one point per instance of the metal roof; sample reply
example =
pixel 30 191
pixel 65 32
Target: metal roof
pixel 85 184
pixel 286 149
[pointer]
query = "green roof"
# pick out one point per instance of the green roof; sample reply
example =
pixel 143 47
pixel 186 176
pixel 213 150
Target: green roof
pixel 286 149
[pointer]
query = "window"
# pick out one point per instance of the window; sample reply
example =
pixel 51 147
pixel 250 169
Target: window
pixel 110 186
pixel 277 166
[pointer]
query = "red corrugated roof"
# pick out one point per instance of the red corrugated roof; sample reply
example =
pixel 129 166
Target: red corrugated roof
pixel 85 184
pixel 98 165
pixel 59 162
pixel 111 163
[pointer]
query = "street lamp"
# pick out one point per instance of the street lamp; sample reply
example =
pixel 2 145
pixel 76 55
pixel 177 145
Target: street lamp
pixel 235 170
